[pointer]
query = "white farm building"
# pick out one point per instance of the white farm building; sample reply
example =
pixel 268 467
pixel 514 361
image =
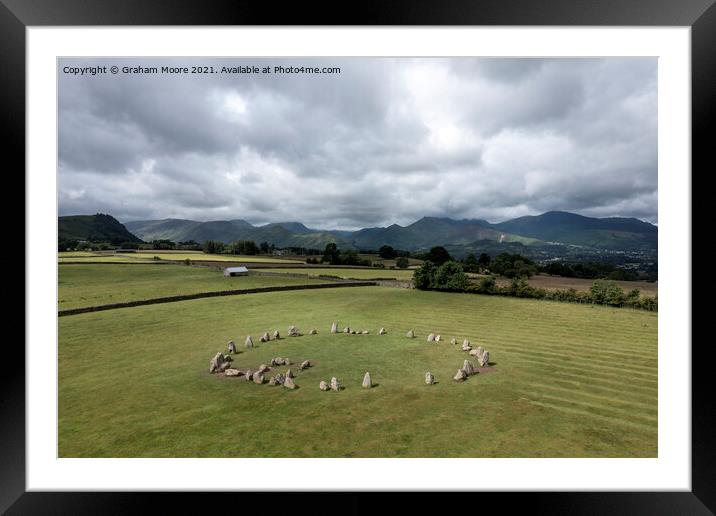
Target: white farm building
pixel 236 271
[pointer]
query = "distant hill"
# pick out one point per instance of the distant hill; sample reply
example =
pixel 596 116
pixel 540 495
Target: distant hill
pixel 93 228
pixel 570 228
pixel 538 231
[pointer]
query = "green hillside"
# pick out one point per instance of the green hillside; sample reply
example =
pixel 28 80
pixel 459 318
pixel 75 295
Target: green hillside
pixel 93 228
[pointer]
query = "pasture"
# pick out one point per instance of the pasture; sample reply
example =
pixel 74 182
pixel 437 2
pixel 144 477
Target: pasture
pixel 567 380
pixel 345 273
pixel 91 285
pixel 559 283
pixel 204 257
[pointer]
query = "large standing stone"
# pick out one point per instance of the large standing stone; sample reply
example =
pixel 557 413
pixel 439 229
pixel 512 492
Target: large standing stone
pixel 231 346
pixel 249 342
pixel 276 335
pixel 468 368
pixel 484 359
pixel 334 328
pixel 382 331
pixel 304 365
pixel 228 358
pixel 288 383
pixel 232 372
pixel 335 384
pixel 265 337
pixel 459 376
pixel 367 383
pixel 431 337
pixel 429 378
pixel 289 374
pixel 323 386
pixel 216 362
pixel 410 334
pixel 258 378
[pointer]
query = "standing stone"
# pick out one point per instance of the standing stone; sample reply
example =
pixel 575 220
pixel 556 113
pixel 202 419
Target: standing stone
pixel 429 378
pixel 272 381
pixel 410 334
pixel 263 368
pixel 437 338
pixel 453 341
pixel 367 384
pixel 258 378
pixel 231 346
pixel 382 331
pixel 323 386
pixel 334 328
pixel 289 374
pixel 484 359
pixel 288 383
pixel 474 352
pixel 265 337
pixel 346 330
pixel 459 376
pixel 304 365
pixel 286 361
pixel 293 332
pixel 248 374
pixel 480 350
pixel 216 362
pixel 468 368
pixel 466 345
pixel 431 337
pixel 280 378
pixel 313 331
pixel 232 372
pixel 335 384
pixel 223 367
pixel 276 335
pixel 249 343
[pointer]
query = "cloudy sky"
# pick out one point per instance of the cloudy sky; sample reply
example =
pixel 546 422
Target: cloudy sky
pixel 384 141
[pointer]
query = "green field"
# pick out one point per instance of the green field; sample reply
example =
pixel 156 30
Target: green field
pixel 199 256
pixel 91 285
pixel 359 274
pixel 567 381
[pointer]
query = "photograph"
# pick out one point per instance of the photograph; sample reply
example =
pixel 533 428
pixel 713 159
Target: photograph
pixel 357 257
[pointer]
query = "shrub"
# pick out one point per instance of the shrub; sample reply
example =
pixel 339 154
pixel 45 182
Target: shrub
pixel 402 262
pixel 424 276
pixel 450 276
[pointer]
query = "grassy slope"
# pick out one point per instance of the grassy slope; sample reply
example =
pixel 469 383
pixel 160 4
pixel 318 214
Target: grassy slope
pixel 90 285
pixel 208 257
pixel 359 274
pixel 569 381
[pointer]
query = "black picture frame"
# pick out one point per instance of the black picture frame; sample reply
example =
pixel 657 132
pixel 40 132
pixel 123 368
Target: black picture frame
pixel 700 15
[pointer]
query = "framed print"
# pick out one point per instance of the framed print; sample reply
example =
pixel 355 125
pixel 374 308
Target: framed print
pixel 422 252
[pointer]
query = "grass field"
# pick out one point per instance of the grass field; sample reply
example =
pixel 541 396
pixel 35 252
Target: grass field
pixel 559 283
pixel 91 285
pixel 104 259
pixel 359 274
pixel 567 381
pixel 199 256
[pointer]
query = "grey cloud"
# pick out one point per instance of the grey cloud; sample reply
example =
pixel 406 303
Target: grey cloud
pixel 386 140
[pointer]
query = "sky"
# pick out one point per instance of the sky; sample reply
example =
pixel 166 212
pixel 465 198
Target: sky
pixel 386 140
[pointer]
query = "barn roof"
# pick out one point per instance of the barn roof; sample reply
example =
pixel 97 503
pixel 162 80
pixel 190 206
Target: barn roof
pixel 236 269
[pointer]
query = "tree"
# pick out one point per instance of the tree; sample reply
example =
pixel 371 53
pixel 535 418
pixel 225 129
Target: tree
pixel 484 260
pixel 450 276
pixel 331 254
pixel 402 262
pixel 424 276
pixel 387 252
pixel 438 255
pixel 471 264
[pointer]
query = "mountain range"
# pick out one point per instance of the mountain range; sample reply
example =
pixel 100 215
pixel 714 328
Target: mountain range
pixel 554 227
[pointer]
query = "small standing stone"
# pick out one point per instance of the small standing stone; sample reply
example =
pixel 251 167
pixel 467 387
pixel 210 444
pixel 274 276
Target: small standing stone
pixel 459 376
pixel 232 372
pixel 313 331
pixel 248 374
pixel 484 359
pixel 323 386
pixel 223 367
pixel 288 383
pixel 263 368
pixel 346 330
pixel 265 337
pixel 429 378
pixel 466 345
pixel 431 337
pixel 280 378
pixel 289 374
pixel 365 332
pixel 437 338
pixel 287 361
pixel 410 334
pixel 382 331
pixel 453 341
pixel 249 342
pixel 231 346
pixel 276 335
pixel 468 368
pixel 335 384
pixel 216 362
pixel 304 365
pixel 334 328
pixel 367 384
pixel 293 332
pixel 258 378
